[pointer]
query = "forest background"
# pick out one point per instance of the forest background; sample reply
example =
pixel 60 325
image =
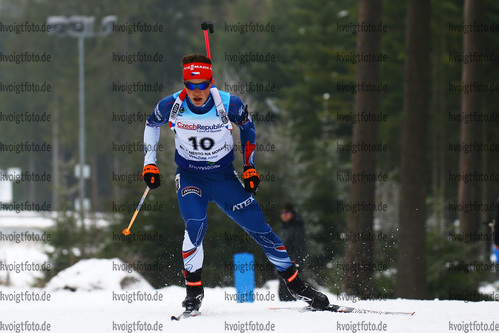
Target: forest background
pixel 299 68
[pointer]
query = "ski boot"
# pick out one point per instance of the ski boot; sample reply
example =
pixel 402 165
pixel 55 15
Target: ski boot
pixel 302 291
pixel 195 291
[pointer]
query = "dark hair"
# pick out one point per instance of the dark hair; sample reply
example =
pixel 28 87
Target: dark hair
pixel 289 207
pixel 187 59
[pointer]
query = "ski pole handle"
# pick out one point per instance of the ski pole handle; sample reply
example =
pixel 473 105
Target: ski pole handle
pixel 126 231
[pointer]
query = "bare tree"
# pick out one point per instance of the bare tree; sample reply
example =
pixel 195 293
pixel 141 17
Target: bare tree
pixel 360 255
pixel 411 255
pixel 470 162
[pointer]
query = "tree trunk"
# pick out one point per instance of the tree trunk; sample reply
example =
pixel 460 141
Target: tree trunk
pixel 56 175
pixel 411 256
pixel 360 255
pixel 470 162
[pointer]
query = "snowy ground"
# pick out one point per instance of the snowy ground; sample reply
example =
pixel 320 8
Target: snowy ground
pixel 102 302
pixel 110 308
pixel 97 312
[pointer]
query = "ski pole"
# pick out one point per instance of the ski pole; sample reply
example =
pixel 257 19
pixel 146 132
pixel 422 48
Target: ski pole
pixel 126 231
pixel 208 25
pixel 205 25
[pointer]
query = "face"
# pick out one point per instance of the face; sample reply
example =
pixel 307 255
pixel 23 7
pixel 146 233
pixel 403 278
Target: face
pixel 197 96
pixel 286 215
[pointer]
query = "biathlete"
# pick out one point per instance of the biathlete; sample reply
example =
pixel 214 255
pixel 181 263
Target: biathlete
pixel 201 117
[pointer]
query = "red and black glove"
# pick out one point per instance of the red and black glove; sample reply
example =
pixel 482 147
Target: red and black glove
pixel 150 174
pixel 251 179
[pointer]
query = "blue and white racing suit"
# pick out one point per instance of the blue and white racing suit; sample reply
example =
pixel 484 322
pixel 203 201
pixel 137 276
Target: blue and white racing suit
pixel 204 155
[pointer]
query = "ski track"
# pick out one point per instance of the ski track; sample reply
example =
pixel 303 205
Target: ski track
pixel 95 311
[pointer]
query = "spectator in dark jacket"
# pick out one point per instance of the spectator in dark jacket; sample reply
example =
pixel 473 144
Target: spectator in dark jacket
pixel 293 237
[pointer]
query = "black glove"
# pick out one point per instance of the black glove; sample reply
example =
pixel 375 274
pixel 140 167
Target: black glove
pixel 251 179
pixel 150 174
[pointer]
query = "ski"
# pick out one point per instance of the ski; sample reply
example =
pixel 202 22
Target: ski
pixel 186 314
pixel 345 309
pixel 348 309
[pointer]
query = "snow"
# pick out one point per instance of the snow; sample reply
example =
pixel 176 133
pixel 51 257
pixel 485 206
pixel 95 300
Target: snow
pixel 107 295
pixel 102 303
pixel 22 246
pixel 88 275
pixel 29 220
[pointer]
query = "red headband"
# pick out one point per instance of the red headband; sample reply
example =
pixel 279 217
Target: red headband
pixel 197 70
